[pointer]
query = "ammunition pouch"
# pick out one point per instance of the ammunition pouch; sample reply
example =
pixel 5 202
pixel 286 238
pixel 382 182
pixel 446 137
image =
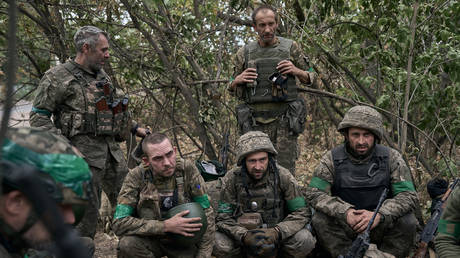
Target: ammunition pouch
pixel 244 117
pixel 296 115
pixel 250 220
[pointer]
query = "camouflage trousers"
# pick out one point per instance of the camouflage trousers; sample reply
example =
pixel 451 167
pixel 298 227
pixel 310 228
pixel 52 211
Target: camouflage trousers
pixel 285 143
pixel 335 236
pixel 143 247
pixel 298 245
pixel 109 179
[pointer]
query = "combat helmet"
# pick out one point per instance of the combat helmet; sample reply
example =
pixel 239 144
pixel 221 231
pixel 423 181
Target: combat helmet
pixel 62 170
pixel 253 141
pixel 363 117
pixel 195 210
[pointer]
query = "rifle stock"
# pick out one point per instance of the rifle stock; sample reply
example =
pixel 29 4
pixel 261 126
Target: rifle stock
pixel 431 226
pixel 362 242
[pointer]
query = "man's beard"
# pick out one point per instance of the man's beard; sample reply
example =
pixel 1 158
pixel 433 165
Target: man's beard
pixel 357 155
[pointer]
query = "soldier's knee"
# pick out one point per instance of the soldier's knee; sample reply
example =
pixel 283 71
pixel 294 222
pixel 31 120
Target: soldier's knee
pixel 129 245
pixel 407 224
pixel 224 246
pixel 300 244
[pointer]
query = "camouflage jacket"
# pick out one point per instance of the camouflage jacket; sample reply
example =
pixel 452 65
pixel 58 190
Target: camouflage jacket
pixel 448 239
pixel 297 214
pixel 404 195
pixel 59 90
pixel 297 57
pixel 139 195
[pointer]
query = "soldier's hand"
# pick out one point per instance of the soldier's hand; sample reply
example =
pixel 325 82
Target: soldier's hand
pixel 261 242
pixel 364 218
pixel 353 217
pixel 248 75
pixel 182 226
pixel 287 67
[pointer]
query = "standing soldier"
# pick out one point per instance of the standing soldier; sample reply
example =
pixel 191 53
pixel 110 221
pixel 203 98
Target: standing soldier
pixel 266 75
pixel 261 210
pixel 76 99
pixel 347 184
pixel 448 238
pixel 143 217
pixel 60 172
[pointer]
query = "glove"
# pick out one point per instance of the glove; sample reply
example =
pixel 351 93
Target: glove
pixel 262 242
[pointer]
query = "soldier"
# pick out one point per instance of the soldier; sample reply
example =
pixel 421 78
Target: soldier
pixel 448 239
pixel 266 75
pixel 62 174
pixel 86 109
pixel 261 207
pixel 149 192
pixel 348 182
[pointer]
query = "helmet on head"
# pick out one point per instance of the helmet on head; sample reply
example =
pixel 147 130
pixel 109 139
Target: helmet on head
pixel 253 141
pixel 62 169
pixel 363 117
pixel 195 210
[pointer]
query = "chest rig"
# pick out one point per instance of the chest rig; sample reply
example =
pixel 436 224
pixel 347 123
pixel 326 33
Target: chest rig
pixel 157 198
pixel 261 197
pixel 100 113
pixel 265 60
pixel 361 184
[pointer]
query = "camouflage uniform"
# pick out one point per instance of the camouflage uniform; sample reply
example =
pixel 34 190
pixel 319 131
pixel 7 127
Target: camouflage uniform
pixel 60 94
pixel 139 218
pixel 272 117
pixel 448 239
pixel 284 207
pixel 396 232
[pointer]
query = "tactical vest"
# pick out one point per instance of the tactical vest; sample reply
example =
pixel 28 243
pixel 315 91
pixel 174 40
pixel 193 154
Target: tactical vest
pixel 156 200
pixel 266 60
pixel 103 114
pixel 269 205
pixel 361 184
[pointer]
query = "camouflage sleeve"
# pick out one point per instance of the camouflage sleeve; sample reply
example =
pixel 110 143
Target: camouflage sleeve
pixel 124 223
pixel 298 212
pixel 319 190
pixel 300 60
pixel 228 204
pixel 238 66
pixel 448 239
pixel 404 195
pixel 45 102
pixel 197 188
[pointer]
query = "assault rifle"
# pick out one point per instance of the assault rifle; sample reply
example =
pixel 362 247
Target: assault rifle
pixel 362 242
pixel 432 225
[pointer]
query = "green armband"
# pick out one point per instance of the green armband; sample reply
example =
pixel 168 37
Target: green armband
pixel 41 111
pixel 296 203
pixel 451 228
pixel 321 184
pixel 203 200
pixel 403 186
pixel 224 207
pixel 122 211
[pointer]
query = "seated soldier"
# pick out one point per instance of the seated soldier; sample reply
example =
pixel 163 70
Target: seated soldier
pixel 34 158
pixel 347 185
pixel 149 192
pixel 262 211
